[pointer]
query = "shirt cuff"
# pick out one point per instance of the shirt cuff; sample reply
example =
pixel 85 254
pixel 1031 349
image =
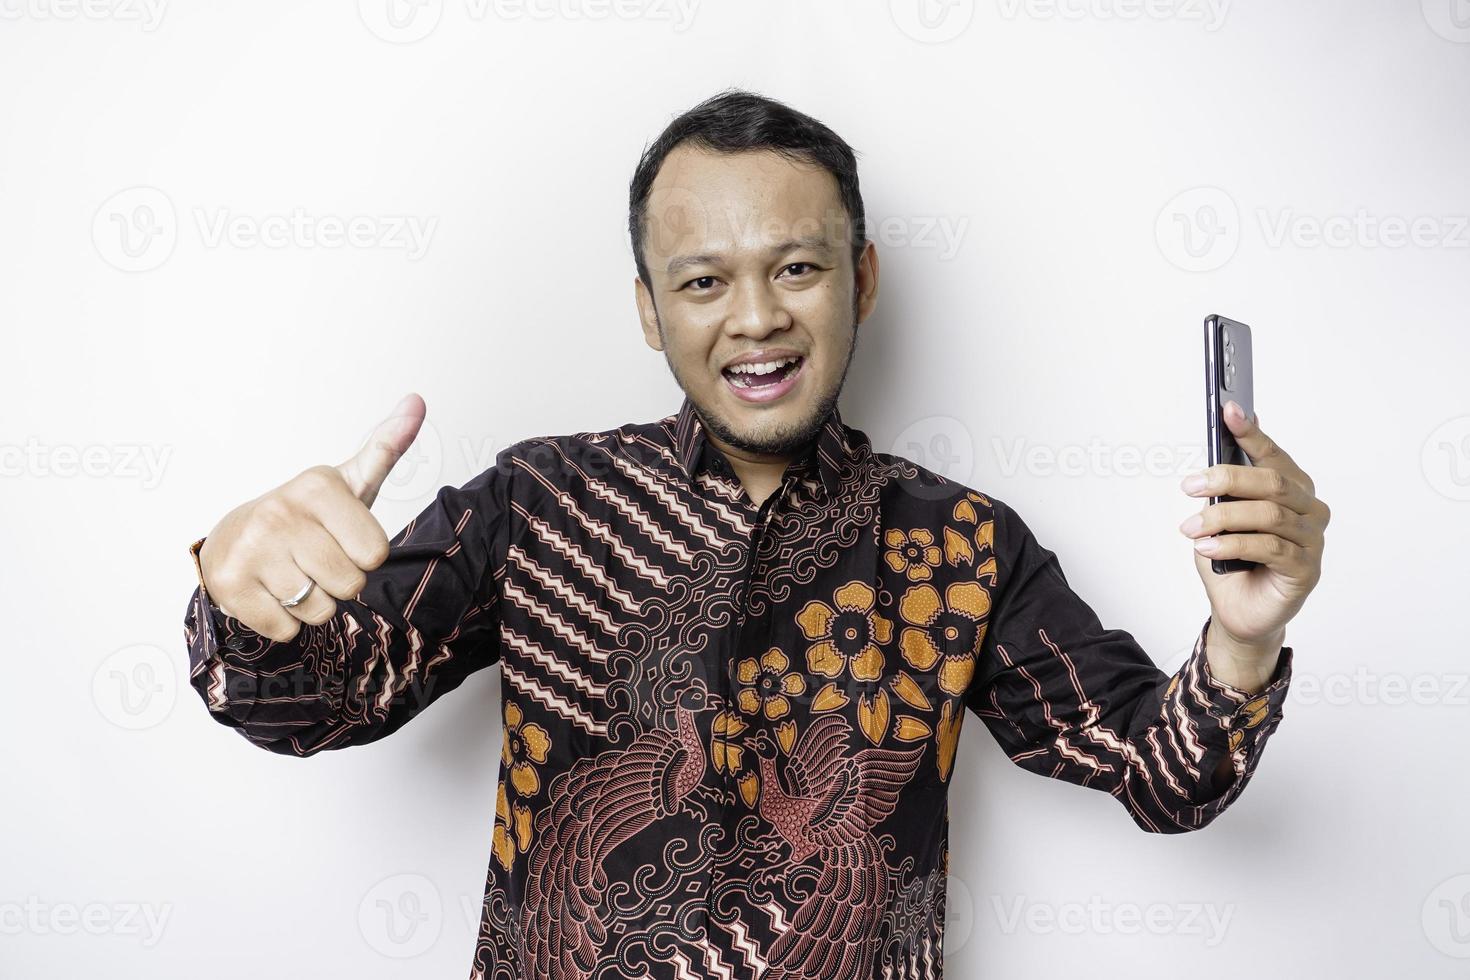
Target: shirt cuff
pixel 1229 721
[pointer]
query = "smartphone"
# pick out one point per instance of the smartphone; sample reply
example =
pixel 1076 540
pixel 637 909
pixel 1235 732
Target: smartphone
pixel 1227 378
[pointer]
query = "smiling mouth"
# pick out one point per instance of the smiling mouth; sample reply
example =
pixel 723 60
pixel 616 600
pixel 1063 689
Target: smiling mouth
pixel 762 375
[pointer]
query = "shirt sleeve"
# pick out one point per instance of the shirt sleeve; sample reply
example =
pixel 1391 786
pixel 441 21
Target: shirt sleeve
pixel 427 618
pixel 1069 699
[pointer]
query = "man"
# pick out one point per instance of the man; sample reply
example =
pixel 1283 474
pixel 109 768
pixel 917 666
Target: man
pixel 737 643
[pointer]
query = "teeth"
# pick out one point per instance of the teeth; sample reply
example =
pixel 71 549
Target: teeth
pixel 765 367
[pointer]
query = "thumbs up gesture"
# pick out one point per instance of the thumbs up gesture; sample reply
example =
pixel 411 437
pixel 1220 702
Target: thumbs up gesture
pixel 287 556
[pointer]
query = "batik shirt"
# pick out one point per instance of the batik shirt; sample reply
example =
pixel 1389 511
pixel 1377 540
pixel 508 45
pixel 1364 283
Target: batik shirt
pixel 729 730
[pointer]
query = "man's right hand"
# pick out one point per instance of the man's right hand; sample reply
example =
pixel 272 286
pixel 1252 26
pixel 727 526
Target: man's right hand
pixel 316 527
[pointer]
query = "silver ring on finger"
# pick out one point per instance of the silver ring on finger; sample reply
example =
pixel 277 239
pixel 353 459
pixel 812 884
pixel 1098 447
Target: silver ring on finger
pixel 296 599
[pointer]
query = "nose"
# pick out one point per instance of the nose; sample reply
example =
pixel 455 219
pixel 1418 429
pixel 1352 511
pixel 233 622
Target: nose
pixel 755 311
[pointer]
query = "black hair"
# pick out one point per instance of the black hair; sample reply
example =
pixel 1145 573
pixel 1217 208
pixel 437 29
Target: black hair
pixel 736 120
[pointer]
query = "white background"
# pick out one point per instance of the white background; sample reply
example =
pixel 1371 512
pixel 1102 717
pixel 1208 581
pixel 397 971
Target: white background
pixel 1051 144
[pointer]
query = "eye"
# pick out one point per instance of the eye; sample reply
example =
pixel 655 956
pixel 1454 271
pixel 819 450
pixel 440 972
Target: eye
pixel 803 268
pixel 700 284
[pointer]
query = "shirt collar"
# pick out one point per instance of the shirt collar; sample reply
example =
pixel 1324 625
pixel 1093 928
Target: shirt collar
pixel 830 449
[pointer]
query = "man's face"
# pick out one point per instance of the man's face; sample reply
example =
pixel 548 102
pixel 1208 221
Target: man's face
pixel 754 301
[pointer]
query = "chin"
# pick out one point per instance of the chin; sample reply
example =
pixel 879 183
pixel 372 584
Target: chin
pixel 776 430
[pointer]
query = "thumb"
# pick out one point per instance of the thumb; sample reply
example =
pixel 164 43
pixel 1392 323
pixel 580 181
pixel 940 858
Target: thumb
pixel 366 471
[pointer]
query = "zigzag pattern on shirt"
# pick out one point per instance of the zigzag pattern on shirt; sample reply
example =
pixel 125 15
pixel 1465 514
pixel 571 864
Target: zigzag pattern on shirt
pixel 599 530
pixel 655 532
pixel 555 623
pixel 635 515
pixel 556 584
pixel 576 557
pixel 688 520
pixel 1091 727
pixel 552 700
pixel 554 665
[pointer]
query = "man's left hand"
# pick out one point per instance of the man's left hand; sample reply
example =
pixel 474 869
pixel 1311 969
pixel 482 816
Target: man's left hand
pixel 1277 521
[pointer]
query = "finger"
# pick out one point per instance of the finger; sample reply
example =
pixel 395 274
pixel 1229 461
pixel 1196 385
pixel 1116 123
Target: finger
pixel 1261 448
pixel 346 518
pixel 1270 550
pixel 262 612
pixel 1250 483
pixel 1262 516
pixel 370 466
pixel 283 579
pixel 253 605
pixel 322 559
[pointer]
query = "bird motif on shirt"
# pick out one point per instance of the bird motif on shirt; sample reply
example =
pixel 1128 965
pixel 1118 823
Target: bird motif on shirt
pixel 596 806
pixel 835 800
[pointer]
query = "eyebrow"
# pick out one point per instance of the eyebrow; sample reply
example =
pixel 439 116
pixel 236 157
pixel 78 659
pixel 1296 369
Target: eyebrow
pixel 816 243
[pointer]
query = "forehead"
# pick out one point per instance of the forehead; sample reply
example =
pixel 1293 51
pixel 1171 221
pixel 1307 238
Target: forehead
pixel 709 202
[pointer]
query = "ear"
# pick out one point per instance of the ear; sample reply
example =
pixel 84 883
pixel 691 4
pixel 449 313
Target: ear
pixel 865 281
pixel 647 314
